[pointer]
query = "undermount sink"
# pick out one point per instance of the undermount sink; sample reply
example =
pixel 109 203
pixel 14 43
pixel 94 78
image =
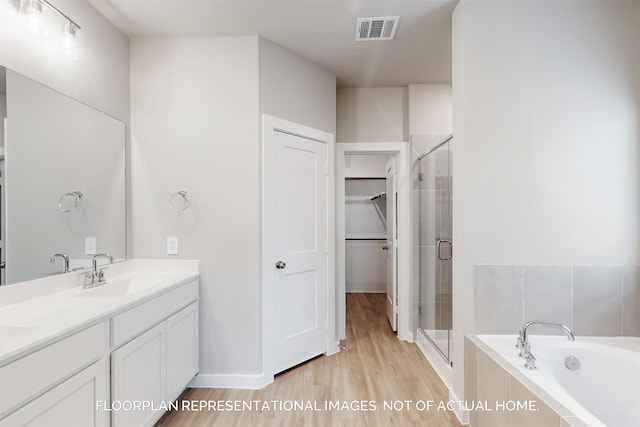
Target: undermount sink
pixel 119 289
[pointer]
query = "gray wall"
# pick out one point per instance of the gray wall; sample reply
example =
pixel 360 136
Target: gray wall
pixel 196 107
pixel 294 89
pixel 194 111
pixel 546 160
pixel 372 114
pixel 97 75
pixel 98 72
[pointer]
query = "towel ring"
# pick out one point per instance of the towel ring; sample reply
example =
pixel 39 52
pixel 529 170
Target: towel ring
pixel 179 201
pixel 72 198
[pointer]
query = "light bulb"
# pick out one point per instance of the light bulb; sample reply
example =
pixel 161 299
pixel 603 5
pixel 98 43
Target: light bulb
pixel 69 30
pixel 33 7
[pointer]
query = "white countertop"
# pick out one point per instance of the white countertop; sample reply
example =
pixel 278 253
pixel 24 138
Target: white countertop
pixel 33 314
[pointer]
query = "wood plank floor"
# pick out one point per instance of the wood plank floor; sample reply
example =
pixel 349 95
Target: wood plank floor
pixel 375 366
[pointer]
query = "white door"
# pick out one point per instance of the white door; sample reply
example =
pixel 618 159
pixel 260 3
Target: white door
pixel 300 252
pixel 392 243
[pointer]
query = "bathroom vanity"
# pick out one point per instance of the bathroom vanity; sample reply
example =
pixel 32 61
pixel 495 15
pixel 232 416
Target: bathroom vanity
pixel 113 355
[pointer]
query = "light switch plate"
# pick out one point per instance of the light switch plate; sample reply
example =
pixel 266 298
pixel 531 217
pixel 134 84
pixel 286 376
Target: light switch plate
pixel 89 245
pixel 172 246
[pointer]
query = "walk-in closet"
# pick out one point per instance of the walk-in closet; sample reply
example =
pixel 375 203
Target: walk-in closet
pixel 367 257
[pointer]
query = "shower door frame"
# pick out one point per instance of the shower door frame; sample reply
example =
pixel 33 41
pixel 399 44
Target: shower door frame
pixel 405 325
pixel 432 340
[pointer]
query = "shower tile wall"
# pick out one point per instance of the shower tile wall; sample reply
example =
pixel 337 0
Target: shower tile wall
pixel 592 300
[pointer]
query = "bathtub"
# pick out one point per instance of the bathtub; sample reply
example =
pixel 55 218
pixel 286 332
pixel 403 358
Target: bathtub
pixel 603 391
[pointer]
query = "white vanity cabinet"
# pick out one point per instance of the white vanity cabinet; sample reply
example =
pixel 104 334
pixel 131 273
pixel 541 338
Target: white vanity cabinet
pixel 120 368
pixel 156 365
pixel 58 385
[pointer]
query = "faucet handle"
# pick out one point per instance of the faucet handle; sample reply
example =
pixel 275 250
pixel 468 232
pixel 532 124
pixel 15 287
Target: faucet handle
pixel 530 362
pixel 88 279
pixel 525 350
pixel 519 341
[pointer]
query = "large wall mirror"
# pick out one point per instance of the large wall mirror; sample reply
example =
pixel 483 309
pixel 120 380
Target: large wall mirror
pixel 63 181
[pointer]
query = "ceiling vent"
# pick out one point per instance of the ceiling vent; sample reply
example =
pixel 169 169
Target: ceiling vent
pixel 381 28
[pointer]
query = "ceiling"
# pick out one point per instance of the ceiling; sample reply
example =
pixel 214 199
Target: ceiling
pixel 322 31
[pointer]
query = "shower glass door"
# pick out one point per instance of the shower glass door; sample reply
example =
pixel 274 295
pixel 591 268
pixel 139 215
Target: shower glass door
pixel 436 248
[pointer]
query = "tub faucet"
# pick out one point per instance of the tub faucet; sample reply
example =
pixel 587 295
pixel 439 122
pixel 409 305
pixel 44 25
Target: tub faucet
pixel 525 346
pixel 65 258
pixel 95 277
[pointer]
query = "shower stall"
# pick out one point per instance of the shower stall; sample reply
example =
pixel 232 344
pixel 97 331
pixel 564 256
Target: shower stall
pixel 436 247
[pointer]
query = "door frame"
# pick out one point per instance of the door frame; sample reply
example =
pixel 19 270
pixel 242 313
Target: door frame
pixel 391 184
pixel 269 125
pixel 401 150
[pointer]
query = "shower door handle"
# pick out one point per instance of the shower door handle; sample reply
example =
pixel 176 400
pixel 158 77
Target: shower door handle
pixel 439 249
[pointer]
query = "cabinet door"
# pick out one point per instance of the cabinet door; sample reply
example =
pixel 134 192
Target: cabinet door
pixel 138 376
pixel 182 350
pixel 74 402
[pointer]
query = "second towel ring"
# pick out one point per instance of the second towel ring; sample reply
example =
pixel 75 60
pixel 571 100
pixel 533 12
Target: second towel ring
pixel 69 201
pixel 179 201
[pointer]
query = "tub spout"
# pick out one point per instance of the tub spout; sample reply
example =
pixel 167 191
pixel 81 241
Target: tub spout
pixel 525 346
pixel 568 332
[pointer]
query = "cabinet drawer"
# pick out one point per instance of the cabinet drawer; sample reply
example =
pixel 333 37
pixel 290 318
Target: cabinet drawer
pixel 31 375
pixel 72 403
pixel 137 320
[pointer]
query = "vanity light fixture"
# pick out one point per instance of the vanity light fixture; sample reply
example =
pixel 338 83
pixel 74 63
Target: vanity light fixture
pixel 70 29
pixel 34 7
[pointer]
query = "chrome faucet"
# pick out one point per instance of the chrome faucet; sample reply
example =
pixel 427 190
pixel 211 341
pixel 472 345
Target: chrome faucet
pixel 95 277
pixel 525 346
pixel 65 257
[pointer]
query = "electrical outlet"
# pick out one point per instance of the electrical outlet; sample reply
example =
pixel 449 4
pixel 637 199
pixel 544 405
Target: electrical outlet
pixel 172 246
pixel 90 245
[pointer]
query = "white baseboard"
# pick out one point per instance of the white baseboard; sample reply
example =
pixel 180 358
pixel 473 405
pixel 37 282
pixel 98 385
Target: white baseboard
pixel 333 349
pixel 252 382
pixel 442 368
pixel 444 371
pixel 366 290
pixel 461 413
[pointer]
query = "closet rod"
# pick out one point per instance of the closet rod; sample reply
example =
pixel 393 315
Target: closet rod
pixel 349 178
pixel 366 238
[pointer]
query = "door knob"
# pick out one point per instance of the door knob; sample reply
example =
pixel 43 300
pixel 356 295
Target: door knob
pixel 280 265
pixel 385 248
